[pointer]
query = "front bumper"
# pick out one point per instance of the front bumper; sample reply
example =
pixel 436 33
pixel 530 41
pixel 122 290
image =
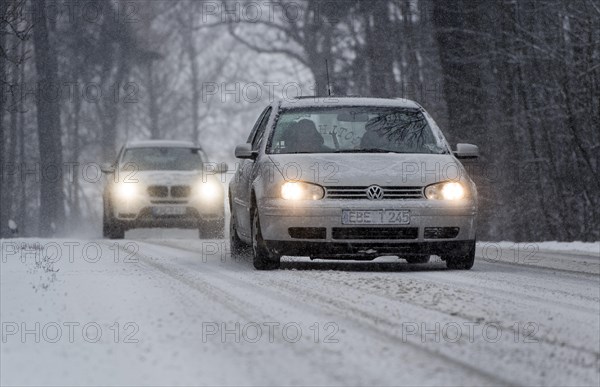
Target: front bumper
pixel 368 250
pixel 280 221
pixel 139 213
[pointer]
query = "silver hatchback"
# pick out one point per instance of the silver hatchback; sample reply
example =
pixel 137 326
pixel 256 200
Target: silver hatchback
pixel 352 178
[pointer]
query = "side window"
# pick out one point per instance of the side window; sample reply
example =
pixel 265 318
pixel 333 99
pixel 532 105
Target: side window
pixel 261 129
pixel 257 125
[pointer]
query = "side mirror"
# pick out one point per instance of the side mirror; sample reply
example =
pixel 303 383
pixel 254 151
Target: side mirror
pixel 244 151
pixel 107 168
pixel 466 151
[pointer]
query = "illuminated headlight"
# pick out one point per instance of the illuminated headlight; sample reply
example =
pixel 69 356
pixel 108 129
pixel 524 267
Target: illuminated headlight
pixel 208 190
pixel 301 191
pixel 126 191
pixel 449 190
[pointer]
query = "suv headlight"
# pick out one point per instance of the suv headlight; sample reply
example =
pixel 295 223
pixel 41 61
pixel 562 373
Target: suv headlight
pixel 296 190
pixel 448 190
pixel 208 190
pixel 126 191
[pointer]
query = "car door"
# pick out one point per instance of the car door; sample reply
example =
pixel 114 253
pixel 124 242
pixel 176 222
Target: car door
pixel 245 176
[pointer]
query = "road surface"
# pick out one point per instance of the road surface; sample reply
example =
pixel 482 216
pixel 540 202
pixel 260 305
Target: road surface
pixel 160 311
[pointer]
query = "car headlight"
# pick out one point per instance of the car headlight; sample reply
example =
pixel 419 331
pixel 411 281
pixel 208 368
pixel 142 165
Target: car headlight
pixel 126 190
pixel 449 190
pixel 301 191
pixel 208 190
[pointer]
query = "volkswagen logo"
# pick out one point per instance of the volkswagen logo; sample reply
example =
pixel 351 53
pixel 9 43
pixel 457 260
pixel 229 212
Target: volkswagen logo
pixel 374 192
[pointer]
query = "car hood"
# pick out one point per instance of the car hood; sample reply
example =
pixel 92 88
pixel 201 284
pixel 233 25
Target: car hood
pixel 364 169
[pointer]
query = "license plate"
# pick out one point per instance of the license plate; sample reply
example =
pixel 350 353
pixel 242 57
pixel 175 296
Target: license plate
pixel 375 217
pixel 168 211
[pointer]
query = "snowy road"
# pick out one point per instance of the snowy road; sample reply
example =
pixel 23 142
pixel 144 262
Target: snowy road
pixel 181 311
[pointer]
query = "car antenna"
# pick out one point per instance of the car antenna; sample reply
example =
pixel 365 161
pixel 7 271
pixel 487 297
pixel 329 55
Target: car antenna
pixel 328 82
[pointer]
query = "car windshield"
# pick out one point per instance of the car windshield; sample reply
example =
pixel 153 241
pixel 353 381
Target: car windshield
pixel 353 130
pixel 162 159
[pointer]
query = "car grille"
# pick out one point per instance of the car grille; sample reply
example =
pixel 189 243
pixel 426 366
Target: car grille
pixel 375 233
pixel 162 191
pixel 308 232
pixel 441 232
pixel 180 191
pixel 158 191
pixel 361 193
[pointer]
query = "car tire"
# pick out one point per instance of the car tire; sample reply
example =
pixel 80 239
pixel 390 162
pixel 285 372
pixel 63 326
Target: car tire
pixel 105 226
pixel 462 262
pixel 214 229
pixel 116 231
pixel 111 229
pixel 418 259
pixel 237 246
pixel 262 257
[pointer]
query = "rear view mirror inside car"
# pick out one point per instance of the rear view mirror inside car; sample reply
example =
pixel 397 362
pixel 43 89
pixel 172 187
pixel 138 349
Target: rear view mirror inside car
pixel 353 117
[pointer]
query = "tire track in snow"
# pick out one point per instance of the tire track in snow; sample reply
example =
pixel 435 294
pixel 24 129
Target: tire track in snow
pixel 374 323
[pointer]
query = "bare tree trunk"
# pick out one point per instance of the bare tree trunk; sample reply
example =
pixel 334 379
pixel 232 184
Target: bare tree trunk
pixel 3 87
pixel 152 103
pixel 318 46
pixel 113 72
pixel 190 47
pixel 22 216
pixel 48 120
pixel 75 147
pixel 379 50
pixel 12 150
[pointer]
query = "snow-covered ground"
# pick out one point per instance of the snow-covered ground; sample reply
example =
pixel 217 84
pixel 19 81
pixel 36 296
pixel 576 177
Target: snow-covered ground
pixel 571 247
pixel 163 310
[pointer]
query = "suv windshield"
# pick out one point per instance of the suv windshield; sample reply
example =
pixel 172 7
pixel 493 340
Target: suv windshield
pixel 353 130
pixel 162 159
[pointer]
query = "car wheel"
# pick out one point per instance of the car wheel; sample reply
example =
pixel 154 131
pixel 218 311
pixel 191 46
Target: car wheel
pixel 105 226
pixel 418 259
pixel 110 227
pixel 117 232
pixel 237 246
pixel 462 262
pixel 262 258
pixel 214 229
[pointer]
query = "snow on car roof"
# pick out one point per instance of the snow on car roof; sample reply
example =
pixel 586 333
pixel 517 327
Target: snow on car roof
pixel 347 101
pixel 161 143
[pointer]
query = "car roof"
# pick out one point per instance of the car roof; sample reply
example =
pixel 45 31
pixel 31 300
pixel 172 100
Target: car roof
pixel 161 143
pixel 305 102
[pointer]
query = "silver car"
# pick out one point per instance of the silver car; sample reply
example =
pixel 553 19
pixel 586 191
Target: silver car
pixel 160 184
pixel 352 178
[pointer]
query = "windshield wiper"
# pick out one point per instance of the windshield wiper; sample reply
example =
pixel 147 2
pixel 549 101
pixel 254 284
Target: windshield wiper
pixel 370 150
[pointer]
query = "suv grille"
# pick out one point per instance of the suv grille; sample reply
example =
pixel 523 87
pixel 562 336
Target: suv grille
pixel 180 191
pixel 158 191
pixel 361 193
pixel 162 191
